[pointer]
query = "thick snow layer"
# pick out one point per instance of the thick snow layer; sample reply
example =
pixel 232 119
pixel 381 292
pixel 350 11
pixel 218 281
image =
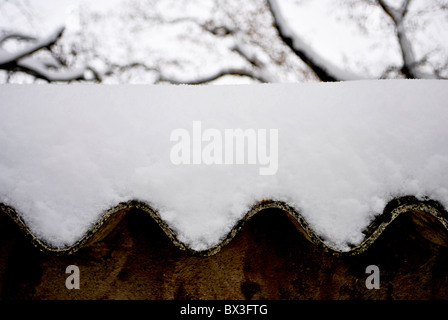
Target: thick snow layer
pixel 68 153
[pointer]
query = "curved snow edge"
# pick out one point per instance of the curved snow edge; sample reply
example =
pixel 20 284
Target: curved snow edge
pixel 392 210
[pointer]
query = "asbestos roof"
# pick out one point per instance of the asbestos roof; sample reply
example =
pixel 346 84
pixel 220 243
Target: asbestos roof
pixel 112 217
pixel 269 258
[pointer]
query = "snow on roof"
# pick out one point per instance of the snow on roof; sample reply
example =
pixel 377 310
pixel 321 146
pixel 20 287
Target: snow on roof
pixel 336 153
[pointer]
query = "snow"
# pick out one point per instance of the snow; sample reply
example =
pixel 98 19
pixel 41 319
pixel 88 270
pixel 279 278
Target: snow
pixel 70 152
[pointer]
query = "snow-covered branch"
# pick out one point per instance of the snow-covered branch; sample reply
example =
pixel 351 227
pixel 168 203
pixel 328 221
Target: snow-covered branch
pixel 39 69
pixel 161 78
pixel 324 69
pixel 264 40
pixel 397 15
pixel 21 60
pixel 410 63
pixel 7 57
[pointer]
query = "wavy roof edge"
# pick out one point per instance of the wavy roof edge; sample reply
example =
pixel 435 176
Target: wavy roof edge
pixel 110 218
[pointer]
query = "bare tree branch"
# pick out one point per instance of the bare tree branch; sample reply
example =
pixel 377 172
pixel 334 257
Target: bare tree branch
pixel 162 78
pixel 219 74
pixel 129 66
pixel 252 59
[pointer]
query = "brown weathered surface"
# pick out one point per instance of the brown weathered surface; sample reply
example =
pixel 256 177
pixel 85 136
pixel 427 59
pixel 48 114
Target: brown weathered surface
pixel 268 259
